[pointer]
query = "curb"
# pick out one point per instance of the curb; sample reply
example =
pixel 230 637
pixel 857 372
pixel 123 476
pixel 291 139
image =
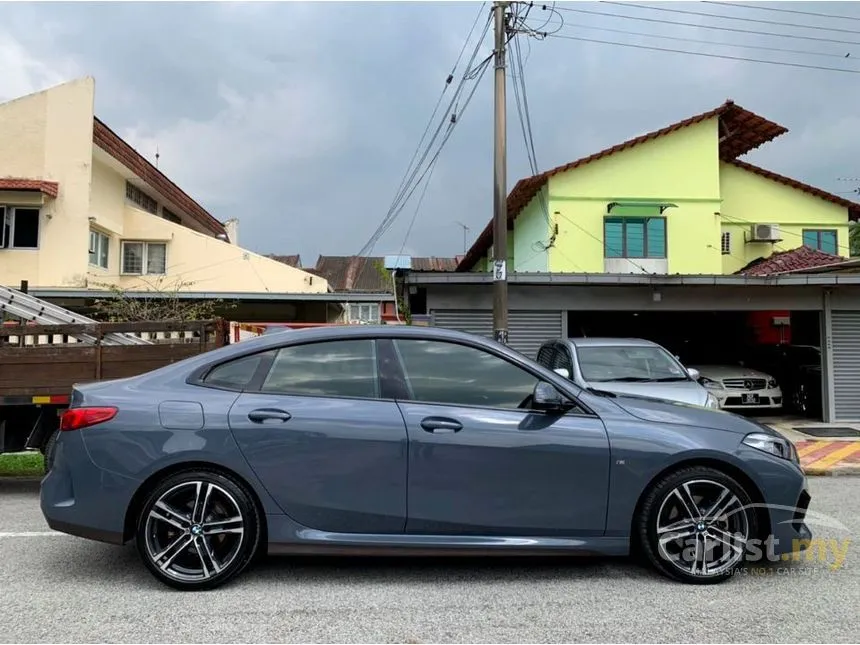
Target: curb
pixel 828 458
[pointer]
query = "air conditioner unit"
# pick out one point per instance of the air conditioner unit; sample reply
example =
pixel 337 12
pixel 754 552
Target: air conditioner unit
pixel 764 233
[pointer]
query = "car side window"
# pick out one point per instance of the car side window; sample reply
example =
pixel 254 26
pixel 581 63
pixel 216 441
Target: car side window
pixel 235 374
pixel 445 372
pixel 330 368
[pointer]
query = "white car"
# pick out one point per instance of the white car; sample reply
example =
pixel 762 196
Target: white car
pixel 741 388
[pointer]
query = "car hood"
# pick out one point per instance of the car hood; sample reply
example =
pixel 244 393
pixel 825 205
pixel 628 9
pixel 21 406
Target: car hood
pixel 681 391
pixel 684 414
pixel 728 371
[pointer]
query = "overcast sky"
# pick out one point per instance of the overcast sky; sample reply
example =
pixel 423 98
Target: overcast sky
pixel 300 118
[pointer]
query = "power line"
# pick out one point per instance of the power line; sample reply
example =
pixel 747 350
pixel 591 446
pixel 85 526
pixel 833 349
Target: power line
pixel 804 52
pixel 707 55
pixel 403 192
pixel 713 27
pixel 779 10
pixel 724 17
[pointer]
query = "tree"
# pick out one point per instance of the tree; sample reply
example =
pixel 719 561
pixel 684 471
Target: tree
pixel 854 240
pixel 159 302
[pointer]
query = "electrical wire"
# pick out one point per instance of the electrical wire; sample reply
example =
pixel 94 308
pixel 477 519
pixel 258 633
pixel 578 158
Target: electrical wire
pixel 713 27
pixel 403 192
pixel 783 50
pixel 725 17
pixel 709 55
pixel 780 10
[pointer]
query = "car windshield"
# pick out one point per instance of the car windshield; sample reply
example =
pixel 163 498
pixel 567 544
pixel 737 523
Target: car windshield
pixel 628 363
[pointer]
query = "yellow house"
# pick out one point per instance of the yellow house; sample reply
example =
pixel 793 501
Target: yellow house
pixel 81 209
pixel 674 201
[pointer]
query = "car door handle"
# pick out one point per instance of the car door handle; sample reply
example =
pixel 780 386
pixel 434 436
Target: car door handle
pixel 268 414
pixel 440 425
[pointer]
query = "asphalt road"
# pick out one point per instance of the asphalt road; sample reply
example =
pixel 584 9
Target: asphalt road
pixel 64 589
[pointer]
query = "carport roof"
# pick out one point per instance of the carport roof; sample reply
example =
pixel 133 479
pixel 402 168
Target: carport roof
pixel 798 259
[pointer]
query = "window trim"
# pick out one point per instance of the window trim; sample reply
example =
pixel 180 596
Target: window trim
pixel 106 238
pixel 254 386
pixel 372 305
pixel 13 209
pixel 818 232
pixel 144 257
pixel 580 409
pixel 623 220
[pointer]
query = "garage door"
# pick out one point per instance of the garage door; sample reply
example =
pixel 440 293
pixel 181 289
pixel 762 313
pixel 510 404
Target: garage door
pixel 846 364
pixel 526 329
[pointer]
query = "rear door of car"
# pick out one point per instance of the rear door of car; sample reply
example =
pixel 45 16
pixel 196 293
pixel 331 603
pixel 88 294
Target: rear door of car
pixel 325 443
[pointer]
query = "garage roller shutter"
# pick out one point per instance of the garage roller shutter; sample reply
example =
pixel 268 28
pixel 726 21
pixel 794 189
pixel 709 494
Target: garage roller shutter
pixel 846 364
pixel 526 329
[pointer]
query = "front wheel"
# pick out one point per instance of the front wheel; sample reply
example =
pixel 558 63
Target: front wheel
pixel 696 525
pixel 197 530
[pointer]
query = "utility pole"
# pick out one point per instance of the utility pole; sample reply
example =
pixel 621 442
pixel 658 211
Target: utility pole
pixel 500 196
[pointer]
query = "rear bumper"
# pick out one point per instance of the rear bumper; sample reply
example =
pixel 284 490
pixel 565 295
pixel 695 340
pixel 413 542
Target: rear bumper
pixel 79 498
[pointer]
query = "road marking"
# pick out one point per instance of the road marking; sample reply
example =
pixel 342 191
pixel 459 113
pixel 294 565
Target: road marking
pixel 14 534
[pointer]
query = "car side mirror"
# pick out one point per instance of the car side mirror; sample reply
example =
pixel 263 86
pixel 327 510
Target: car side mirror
pixel 694 373
pixel 562 371
pixel 546 397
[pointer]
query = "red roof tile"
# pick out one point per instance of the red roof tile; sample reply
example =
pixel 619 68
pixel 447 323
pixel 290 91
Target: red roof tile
pixel 358 273
pixel 49 188
pixel 110 142
pixel 742 131
pixel 291 260
pixel 802 257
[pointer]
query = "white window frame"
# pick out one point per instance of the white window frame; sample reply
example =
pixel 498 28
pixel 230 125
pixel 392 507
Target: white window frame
pixel 144 258
pixel 99 241
pixel 726 243
pixel 10 210
pixel 356 309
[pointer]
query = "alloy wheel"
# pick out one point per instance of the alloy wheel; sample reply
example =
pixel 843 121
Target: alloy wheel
pixel 194 531
pixel 702 528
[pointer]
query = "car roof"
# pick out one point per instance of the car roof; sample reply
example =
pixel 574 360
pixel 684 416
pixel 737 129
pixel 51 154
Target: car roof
pixel 610 342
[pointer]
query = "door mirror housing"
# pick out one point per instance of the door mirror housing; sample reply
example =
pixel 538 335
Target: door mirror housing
pixel 694 373
pixel 562 371
pixel 546 397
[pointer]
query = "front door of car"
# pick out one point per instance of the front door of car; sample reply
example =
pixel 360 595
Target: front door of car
pixel 324 444
pixel 481 461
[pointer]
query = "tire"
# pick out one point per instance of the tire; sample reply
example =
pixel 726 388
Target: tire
pixel 208 552
pixel 676 558
pixel 48 450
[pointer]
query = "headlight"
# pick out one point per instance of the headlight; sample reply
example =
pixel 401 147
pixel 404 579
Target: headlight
pixel 771 383
pixel 710 383
pixel 712 402
pixel 774 445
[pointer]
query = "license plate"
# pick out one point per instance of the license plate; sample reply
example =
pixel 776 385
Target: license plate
pixel 749 399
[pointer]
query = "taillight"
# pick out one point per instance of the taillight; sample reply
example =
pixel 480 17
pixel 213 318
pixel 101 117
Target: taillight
pixel 77 418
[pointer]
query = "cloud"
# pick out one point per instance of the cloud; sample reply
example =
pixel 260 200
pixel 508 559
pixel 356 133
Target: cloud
pixel 24 74
pixel 214 158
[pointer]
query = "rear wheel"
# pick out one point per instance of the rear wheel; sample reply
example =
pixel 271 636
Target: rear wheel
pixel 696 525
pixel 197 530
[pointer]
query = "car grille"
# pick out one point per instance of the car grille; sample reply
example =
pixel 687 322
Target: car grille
pixel 744 383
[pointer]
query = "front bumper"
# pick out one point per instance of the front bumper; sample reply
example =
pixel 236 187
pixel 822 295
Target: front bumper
pixel 79 498
pixel 767 399
pixel 786 500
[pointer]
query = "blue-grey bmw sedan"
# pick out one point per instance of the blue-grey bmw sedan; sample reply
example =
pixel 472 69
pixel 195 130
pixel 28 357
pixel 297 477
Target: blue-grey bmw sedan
pixel 411 440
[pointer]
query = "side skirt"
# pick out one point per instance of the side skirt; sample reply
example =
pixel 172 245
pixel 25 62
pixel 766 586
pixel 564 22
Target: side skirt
pixel 313 542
